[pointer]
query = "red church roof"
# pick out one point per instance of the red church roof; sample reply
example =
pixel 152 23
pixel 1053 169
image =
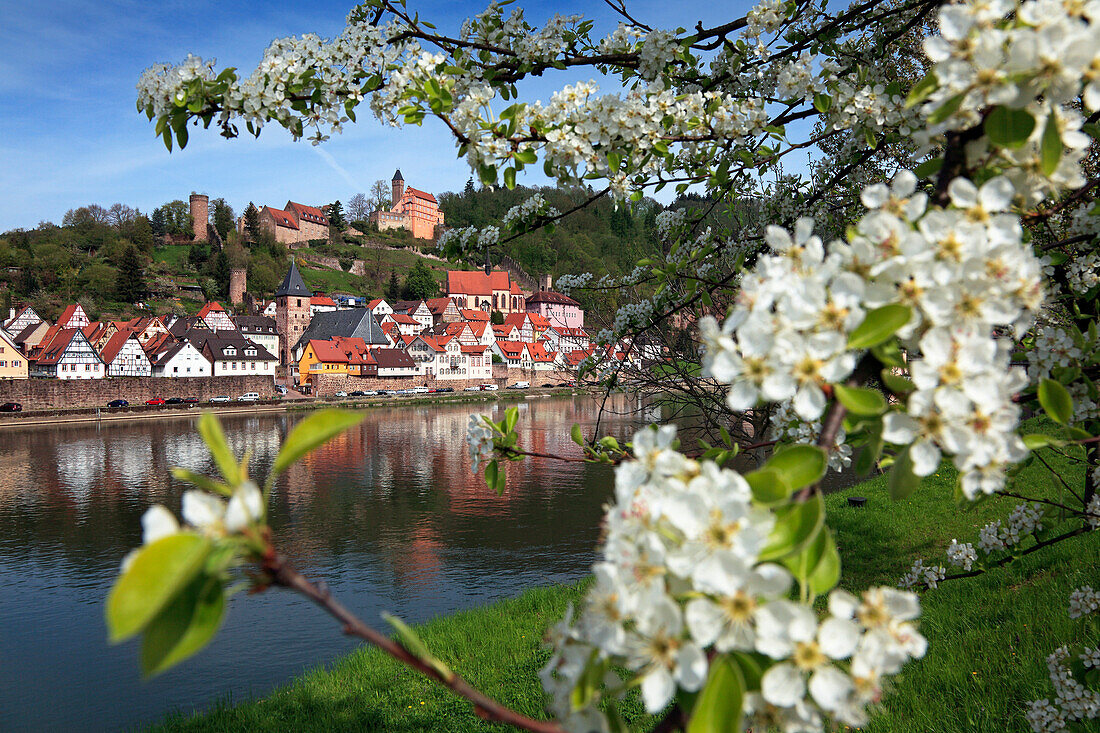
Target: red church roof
pixel 476 282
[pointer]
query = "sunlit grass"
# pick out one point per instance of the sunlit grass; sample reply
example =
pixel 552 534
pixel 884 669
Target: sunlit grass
pixel 989 636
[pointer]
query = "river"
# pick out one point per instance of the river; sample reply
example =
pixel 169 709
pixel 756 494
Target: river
pixel 389 514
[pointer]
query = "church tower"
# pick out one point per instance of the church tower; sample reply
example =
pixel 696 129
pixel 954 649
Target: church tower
pixel 291 315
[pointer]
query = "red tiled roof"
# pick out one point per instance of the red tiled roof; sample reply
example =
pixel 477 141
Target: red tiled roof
pixel 512 349
pixel 434 344
pixel 282 218
pixel 438 305
pixel 404 318
pixel 503 330
pixel 69 312
pixel 576 357
pixel 154 344
pixel 472 314
pixel 322 300
pixel 514 290
pixel 420 194
pixel 115 344
pixel 473 349
pixel 539 322
pixel 209 308
pixel 539 353
pixel 53 353
pixel 476 282
pixel 328 352
pixel 309 213
pixel 374 303
pixel 478 327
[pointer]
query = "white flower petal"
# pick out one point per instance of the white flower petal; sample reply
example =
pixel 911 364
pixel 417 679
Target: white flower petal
pixel 157 523
pixel 782 685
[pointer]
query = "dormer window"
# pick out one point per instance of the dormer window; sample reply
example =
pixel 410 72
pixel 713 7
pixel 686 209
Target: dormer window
pixel 230 351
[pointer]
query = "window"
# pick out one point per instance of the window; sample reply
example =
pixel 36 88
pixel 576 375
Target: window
pixel 4 363
pixel 176 370
pixel 16 363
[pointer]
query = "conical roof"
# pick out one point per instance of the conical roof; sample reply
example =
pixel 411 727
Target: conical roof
pixel 397 176
pixel 293 285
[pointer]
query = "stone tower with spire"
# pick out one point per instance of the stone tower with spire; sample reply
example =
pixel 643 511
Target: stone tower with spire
pixel 291 315
pixel 398 185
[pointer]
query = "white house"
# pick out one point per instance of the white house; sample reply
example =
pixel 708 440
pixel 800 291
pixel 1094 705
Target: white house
pixel 418 310
pixel 124 356
pixel 234 356
pixel 321 304
pixel 260 330
pixel 514 354
pixel 379 307
pixel 215 317
pixel 406 324
pixel 179 360
pixel 69 355
pixel 479 361
pixel 73 317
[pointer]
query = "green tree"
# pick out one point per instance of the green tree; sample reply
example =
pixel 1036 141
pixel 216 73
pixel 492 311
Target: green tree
pixel 100 280
pixel 496 318
pixel 419 284
pixel 159 222
pixel 130 285
pixel 139 231
pixel 393 288
pixel 198 255
pixel 263 273
pixel 222 217
pixel 251 222
pixel 219 272
pixel 336 216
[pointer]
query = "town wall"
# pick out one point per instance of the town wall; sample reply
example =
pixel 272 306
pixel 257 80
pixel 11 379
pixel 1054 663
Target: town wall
pixel 326 385
pixel 44 394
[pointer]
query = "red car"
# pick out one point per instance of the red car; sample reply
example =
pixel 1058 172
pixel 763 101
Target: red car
pixel 155 401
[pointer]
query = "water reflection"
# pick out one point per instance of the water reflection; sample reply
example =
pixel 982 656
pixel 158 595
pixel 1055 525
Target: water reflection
pixel 389 514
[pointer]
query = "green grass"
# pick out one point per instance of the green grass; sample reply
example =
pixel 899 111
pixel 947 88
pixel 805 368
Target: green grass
pixel 989 636
pixel 174 256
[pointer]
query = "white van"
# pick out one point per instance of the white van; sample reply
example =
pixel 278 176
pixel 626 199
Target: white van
pixel 249 397
pixel 521 385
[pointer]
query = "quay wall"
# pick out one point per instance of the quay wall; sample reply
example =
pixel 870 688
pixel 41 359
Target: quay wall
pixel 50 394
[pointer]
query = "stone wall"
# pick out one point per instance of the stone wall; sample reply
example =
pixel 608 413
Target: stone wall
pixel 327 385
pixel 44 394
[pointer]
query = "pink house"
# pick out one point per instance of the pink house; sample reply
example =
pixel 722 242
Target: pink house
pixel 561 310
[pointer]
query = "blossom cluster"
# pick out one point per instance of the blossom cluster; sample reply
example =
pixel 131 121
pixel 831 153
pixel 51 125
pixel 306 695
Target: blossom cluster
pixel 680 577
pixel 479 438
pixel 963 271
pixel 1073 701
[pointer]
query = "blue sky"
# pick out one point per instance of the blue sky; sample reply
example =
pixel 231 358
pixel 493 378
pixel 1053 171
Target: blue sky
pixel 70 134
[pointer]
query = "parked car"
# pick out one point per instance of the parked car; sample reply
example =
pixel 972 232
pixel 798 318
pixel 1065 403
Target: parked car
pixel 118 403
pixel 547 384
pixel 174 401
pixel 446 389
pixel 341 393
pixel 472 388
pixel 249 397
pixel 386 392
pixel 280 389
pixel 358 393
pixel 11 407
pixel 402 391
pixel 520 385
pixel 220 398
pixel 419 390
pixel 190 400
pixel 155 401
pixel 489 387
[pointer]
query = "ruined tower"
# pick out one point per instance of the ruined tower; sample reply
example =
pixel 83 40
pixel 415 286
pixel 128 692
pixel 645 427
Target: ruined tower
pixel 238 283
pixel 398 184
pixel 200 216
pixel 291 315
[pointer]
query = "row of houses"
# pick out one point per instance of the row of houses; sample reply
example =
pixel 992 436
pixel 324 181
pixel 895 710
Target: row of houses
pixel 210 344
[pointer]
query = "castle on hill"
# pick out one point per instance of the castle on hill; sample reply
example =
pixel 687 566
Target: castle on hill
pixel 412 209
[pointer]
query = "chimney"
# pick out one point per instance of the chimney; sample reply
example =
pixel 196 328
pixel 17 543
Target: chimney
pixel 200 214
pixel 11 313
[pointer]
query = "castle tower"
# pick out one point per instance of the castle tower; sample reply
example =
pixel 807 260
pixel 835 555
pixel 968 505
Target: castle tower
pixel 398 184
pixel 238 283
pixel 291 315
pixel 545 282
pixel 200 215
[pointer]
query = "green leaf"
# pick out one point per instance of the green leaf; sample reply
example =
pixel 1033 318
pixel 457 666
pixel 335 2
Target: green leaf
pixel 1056 401
pixel 313 432
pixel 879 325
pixel 510 178
pixel 719 706
pixel 527 156
pixel 412 642
pixel 946 109
pixel 494 477
pixel 822 102
pixel 826 573
pixel 185 626
pixel 889 353
pixel 576 434
pixel 203 482
pixel 902 481
pixel 768 487
pixel 211 431
pixel 860 400
pixel 795 527
pixel 928 168
pixel 1050 148
pixel 1035 441
pixel 511 417
pixel 157 573
pixel 798 465
pixel 922 89
pixel 897 384
pixel 1009 128
pixel 751 670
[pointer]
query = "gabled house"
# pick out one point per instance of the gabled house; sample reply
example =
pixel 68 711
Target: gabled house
pixel 124 357
pixel 19 320
pixel 394 363
pixel 541 359
pixel 529 326
pixel 216 318
pixel 379 307
pixel 68 355
pixel 443 310
pixel 473 314
pixel 514 354
pixel 73 317
pixel 416 309
pixel 179 360
pixel 479 361
pixel 321 304
pixel 406 324
pixel 560 310
pixel 260 330
pixel 31 336
pixel 13 364
pixel 488 292
pixel 560 338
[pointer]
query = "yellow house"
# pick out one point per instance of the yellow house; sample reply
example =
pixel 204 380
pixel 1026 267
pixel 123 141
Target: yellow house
pixel 321 357
pixel 13 365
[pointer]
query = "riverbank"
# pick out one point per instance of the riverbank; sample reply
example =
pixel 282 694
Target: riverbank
pixel 80 415
pixel 989 636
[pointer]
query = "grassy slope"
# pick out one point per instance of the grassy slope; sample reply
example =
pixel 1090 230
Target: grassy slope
pixel 989 635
